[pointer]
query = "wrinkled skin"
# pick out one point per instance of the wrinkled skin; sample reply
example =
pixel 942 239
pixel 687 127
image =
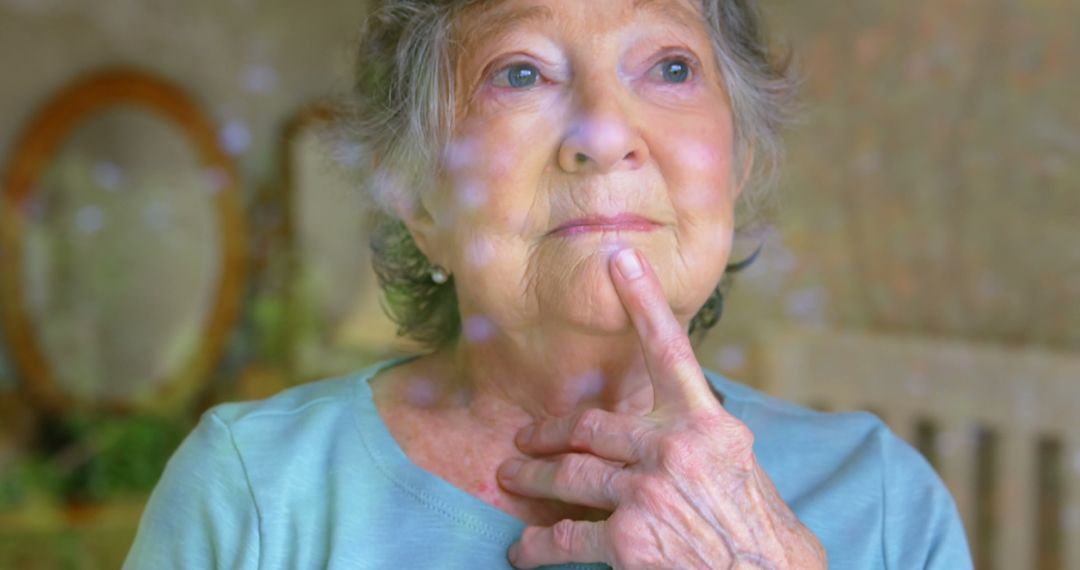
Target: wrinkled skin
pixel 682 482
pixel 623 112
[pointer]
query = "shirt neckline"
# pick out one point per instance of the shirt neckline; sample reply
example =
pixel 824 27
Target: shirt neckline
pixel 434 492
pixel 438 494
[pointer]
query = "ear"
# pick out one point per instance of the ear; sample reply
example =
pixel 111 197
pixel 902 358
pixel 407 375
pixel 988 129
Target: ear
pixel 416 215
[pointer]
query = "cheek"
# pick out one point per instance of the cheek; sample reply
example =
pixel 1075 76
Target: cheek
pixel 702 174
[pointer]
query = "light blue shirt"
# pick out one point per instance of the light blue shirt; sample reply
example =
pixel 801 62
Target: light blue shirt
pixel 312 478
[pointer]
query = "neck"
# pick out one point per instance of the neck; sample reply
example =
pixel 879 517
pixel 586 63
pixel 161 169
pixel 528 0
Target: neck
pixel 540 374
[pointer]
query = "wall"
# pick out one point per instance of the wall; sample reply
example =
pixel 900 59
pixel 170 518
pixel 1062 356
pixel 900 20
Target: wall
pixel 932 184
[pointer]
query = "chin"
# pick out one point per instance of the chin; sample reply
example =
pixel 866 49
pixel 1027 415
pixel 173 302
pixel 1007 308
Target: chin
pixel 583 298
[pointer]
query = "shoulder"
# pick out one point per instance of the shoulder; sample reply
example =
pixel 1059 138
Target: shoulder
pixel 300 428
pixel 301 411
pixel 245 463
pixel 848 475
pixel 777 422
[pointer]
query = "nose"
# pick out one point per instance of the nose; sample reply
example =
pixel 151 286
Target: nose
pixel 601 137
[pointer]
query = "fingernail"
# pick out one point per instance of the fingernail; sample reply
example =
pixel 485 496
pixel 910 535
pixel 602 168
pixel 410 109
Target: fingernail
pixel 511 467
pixel 525 434
pixel 628 264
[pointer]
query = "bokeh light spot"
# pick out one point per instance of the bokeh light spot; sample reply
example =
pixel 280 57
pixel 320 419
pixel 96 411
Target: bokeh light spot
pixel 89 220
pixel 478 328
pixel 108 175
pixel 479 252
pixel 421 392
pixel 471 194
pixel 235 137
pixel 732 358
pixel 260 78
pixel 590 383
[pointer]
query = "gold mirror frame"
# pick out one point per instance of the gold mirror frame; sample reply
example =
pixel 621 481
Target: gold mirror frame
pixel 32 154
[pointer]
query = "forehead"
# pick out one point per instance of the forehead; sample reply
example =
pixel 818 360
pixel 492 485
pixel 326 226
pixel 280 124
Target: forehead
pixel 487 19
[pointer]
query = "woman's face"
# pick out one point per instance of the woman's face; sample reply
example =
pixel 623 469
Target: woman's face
pixel 583 128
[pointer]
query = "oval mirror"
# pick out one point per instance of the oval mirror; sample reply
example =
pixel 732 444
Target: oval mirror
pixel 122 250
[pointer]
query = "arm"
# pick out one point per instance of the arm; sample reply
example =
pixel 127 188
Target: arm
pixel 922 525
pixel 202 514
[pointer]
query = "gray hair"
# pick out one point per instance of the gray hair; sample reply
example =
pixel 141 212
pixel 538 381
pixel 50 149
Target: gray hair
pixel 401 121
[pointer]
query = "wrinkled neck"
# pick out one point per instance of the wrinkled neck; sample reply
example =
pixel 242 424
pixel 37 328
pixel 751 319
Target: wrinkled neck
pixel 525 377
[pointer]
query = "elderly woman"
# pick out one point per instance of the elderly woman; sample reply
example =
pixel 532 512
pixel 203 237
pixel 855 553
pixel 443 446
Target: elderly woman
pixel 558 181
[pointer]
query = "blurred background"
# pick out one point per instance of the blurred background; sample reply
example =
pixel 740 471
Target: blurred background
pixel 178 231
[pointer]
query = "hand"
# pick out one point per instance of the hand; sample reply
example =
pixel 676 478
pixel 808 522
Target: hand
pixel 682 482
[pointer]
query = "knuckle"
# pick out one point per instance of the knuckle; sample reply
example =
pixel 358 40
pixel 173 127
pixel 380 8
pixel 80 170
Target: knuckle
pixel 740 440
pixel 675 451
pixel 733 436
pixel 585 427
pixel 647 491
pixel 564 535
pixel 569 470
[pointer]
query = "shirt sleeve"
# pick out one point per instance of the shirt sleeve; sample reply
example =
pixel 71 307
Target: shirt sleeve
pixel 922 525
pixel 202 513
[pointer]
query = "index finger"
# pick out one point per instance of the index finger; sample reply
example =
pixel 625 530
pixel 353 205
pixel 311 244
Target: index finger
pixel 677 377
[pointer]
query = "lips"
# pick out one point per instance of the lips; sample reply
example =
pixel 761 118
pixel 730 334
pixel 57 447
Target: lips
pixel 620 222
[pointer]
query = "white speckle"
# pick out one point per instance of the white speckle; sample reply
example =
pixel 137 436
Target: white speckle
pixel 807 304
pixel 89 219
pixel 479 252
pixel 348 154
pixel 471 194
pixel 421 392
pixel 108 175
pixel 591 383
pixel 391 192
pixel 698 156
pixel 602 130
pixel 235 137
pixel 460 153
pixel 731 358
pixel 260 78
pixel 478 328
pixel 780 260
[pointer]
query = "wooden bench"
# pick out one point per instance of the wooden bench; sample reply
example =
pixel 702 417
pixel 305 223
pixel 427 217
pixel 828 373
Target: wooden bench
pixel 1000 425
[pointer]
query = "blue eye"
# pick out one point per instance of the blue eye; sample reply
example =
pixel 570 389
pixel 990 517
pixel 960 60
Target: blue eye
pixel 675 70
pixel 519 75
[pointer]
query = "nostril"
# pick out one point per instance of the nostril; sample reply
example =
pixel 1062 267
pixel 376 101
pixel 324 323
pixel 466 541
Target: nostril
pixel 580 157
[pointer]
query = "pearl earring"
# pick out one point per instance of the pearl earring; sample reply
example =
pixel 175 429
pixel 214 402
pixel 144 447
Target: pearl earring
pixel 439 275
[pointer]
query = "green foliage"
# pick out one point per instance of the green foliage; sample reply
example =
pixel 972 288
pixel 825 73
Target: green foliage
pixel 131 455
pixel 96 459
